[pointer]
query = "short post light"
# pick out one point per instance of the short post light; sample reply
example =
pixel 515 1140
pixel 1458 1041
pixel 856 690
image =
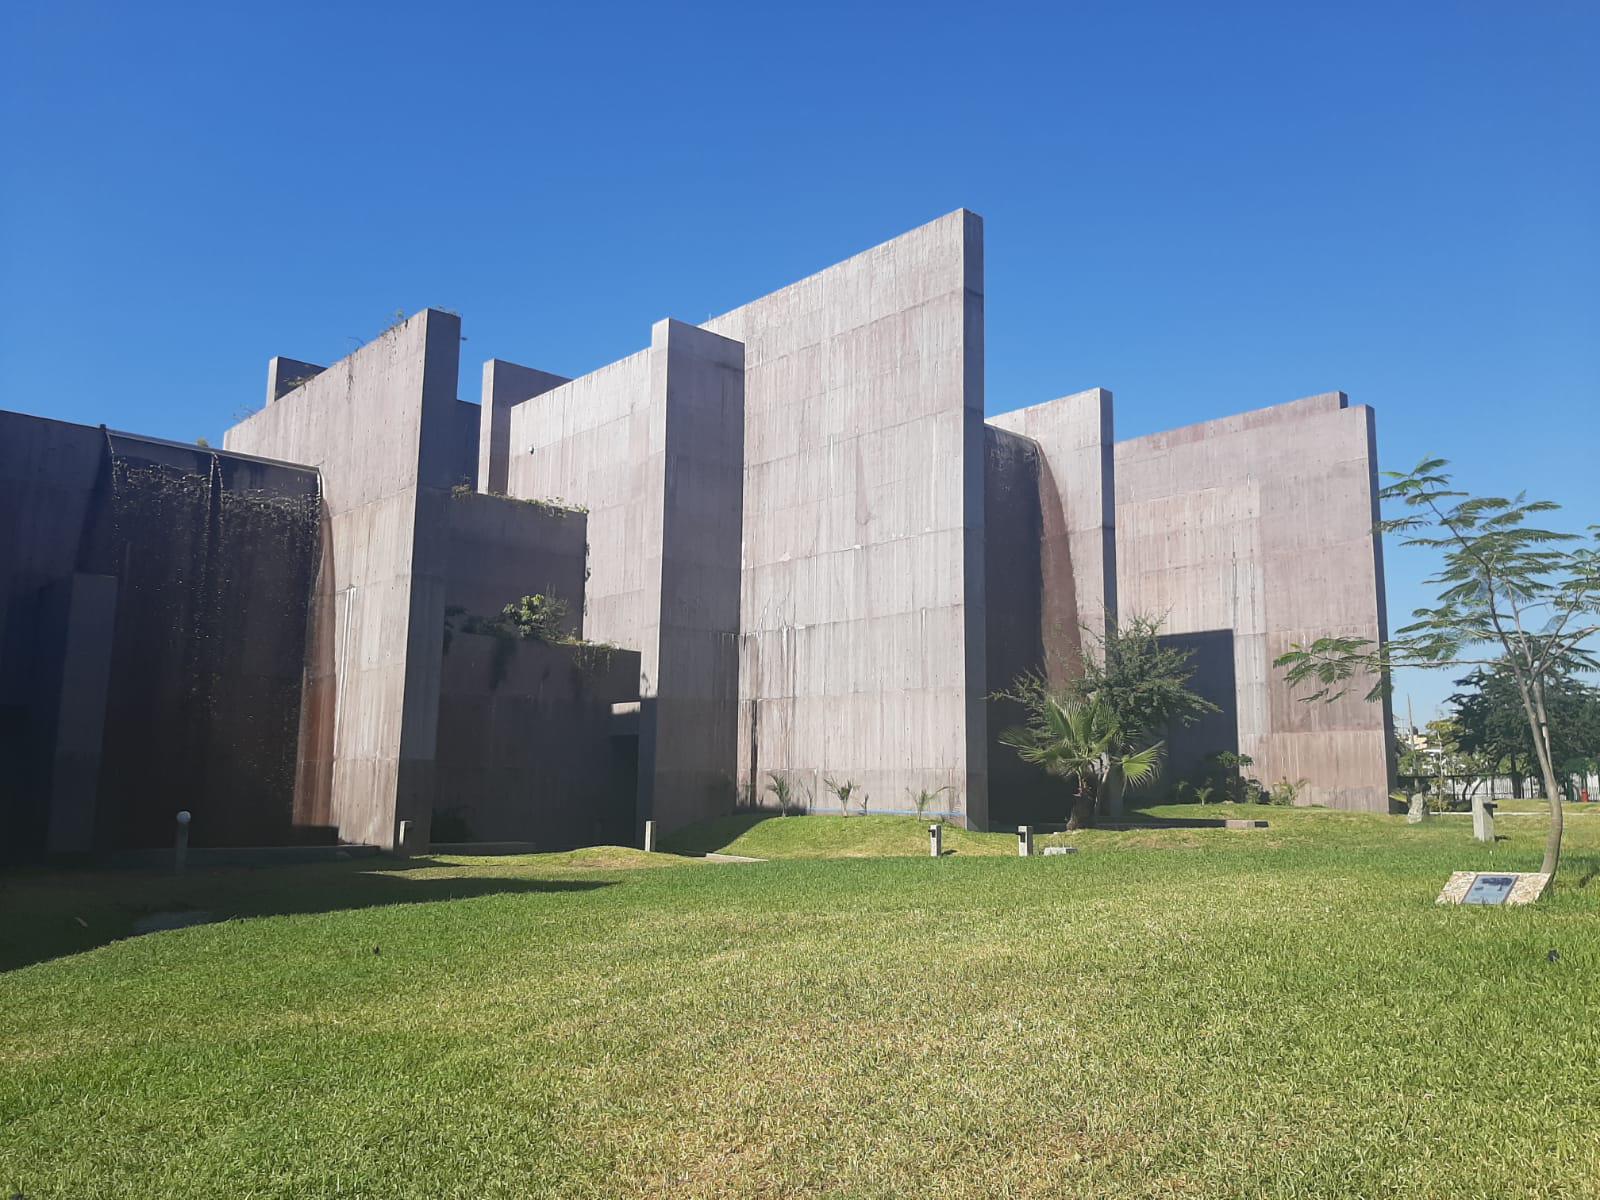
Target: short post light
pixel 649 837
pixel 935 840
pixel 180 849
pixel 1024 841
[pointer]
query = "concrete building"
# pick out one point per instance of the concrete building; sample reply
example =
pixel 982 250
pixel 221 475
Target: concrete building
pixel 813 555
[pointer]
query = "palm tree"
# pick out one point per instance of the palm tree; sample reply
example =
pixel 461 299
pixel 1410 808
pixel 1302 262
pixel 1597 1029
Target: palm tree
pixel 1081 741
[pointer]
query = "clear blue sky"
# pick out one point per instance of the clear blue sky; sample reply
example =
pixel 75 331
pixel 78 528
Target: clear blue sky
pixel 1205 208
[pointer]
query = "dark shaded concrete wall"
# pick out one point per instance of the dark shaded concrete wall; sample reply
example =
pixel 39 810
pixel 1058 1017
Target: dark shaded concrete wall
pixel 154 618
pixel 48 471
pixel 1189 746
pixel 1014 584
pixel 493 551
pixel 525 745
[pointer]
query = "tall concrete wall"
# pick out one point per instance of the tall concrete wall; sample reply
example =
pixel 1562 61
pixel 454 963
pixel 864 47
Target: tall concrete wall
pixel 1263 524
pixel 862 612
pixel 380 425
pixel 651 446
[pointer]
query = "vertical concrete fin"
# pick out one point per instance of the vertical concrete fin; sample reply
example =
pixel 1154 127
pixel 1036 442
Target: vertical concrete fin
pixel 286 374
pixel 505 385
pixel 974 523
pixel 697 383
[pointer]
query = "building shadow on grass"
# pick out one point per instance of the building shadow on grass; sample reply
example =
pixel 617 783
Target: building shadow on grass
pixel 709 837
pixel 49 914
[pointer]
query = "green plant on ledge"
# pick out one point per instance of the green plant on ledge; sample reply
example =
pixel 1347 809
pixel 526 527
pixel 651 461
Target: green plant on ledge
pixel 555 505
pixel 536 617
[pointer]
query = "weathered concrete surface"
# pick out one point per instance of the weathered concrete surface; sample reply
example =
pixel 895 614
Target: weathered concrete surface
pixel 505 385
pixel 651 446
pixel 1264 524
pixel 379 425
pixel 127 567
pixel 862 616
pixel 1051 566
pixel 1077 503
pixel 1019 794
pixel 492 551
pixel 525 751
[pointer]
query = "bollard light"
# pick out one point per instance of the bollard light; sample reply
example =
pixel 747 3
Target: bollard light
pixel 180 849
pixel 649 837
pixel 935 840
pixel 1024 841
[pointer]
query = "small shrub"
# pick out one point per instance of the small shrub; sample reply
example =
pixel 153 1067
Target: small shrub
pixel 924 797
pixel 1285 793
pixel 789 797
pixel 843 792
pixel 537 616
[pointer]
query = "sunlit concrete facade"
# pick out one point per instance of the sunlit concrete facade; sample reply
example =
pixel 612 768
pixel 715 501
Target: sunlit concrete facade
pixel 815 556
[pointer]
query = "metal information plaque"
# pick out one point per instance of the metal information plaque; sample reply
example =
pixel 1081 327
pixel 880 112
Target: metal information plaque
pixel 1494 887
pixel 1490 889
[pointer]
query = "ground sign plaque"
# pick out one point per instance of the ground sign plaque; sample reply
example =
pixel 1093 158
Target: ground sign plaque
pixel 1493 887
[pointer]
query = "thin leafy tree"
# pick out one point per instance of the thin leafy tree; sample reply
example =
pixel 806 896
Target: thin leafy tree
pixel 1512 595
pixel 1081 742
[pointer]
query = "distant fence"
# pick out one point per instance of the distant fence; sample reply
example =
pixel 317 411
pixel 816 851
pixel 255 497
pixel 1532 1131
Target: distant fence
pixel 1461 790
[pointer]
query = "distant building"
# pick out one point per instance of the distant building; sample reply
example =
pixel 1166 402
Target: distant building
pixel 816 556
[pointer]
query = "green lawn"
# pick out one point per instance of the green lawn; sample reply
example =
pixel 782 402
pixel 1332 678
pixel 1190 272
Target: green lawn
pixel 1173 1012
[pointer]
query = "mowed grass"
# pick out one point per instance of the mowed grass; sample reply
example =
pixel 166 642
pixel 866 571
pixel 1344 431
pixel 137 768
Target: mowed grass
pixel 1180 1012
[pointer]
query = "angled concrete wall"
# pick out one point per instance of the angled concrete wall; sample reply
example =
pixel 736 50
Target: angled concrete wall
pixel 651 445
pixel 379 425
pixel 1078 545
pixel 862 619
pixel 1263 524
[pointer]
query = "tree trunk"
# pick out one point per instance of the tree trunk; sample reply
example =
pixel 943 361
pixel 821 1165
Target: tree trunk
pixel 1112 791
pixel 1082 809
pixel 1533 707
pixel 1552 842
